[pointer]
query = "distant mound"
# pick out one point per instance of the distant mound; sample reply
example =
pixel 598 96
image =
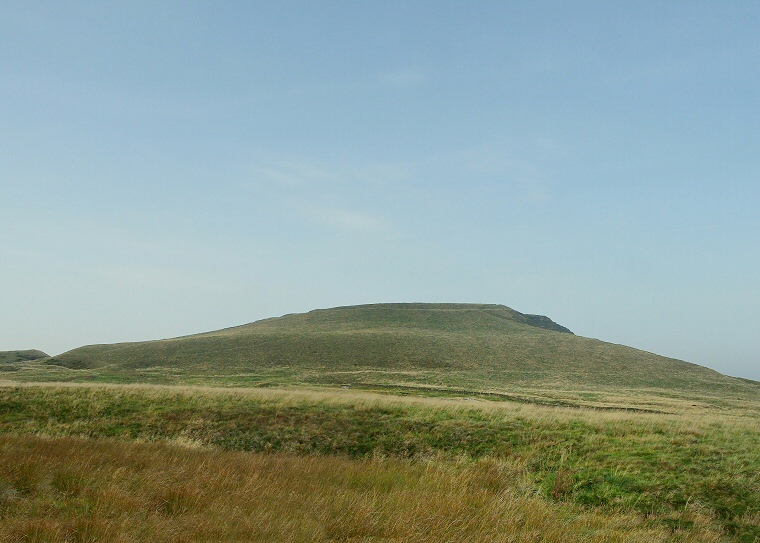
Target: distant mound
pixel 7 357
pixel 456 347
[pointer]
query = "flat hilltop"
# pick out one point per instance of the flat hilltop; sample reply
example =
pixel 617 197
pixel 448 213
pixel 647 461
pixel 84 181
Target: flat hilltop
pixel 464 349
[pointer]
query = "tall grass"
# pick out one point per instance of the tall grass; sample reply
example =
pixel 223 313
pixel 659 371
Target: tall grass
pixel 660 466
pixel 68 489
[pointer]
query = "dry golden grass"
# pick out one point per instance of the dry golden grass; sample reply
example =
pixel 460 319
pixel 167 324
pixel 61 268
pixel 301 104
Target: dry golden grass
pixel 68 489
pixel 689 475
pixel 614 403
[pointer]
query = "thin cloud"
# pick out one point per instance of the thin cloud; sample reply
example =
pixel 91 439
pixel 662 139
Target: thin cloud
pixel 346 219
pixel 304 172
pixel 161 278
pixel 513 169
pixel 339 196
pixel 296 173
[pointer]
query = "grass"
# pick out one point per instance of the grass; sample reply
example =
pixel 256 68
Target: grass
pixel 662 469
pixel 66 489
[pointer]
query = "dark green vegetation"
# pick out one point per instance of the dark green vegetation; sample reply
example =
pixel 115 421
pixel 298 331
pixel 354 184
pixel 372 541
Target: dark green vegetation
pixel 9 357
pixel 434 347
pixel 661 466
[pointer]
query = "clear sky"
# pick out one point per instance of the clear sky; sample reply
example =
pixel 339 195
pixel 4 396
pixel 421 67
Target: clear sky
pixel 169 168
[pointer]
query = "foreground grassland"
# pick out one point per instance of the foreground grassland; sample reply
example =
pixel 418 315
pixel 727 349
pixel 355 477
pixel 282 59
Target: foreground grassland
pixel 66 489
pixel 343 465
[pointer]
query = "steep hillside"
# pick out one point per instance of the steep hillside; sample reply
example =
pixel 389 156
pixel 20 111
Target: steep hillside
pixel 464 347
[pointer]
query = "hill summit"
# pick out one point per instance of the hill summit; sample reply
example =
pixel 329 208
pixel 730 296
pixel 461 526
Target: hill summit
pixel 501 311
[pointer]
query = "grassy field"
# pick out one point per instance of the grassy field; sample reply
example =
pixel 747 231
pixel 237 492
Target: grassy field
pixel 68 490
pixel 688 476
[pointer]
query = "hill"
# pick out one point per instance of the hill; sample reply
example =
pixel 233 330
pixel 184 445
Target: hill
pixel 684 470
pixel 9 357
pixel 460 348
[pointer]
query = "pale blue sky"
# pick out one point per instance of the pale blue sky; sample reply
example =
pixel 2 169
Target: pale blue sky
pixel 169 168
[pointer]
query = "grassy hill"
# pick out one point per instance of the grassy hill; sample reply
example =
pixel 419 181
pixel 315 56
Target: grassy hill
pixel 9 357
pixel 460 348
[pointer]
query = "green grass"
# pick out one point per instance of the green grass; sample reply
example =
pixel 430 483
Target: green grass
pixel 657 466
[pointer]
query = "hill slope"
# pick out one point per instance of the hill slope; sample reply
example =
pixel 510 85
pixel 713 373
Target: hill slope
pixel 467 347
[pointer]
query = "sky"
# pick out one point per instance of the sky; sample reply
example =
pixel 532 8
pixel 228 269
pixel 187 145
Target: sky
pixel 169 168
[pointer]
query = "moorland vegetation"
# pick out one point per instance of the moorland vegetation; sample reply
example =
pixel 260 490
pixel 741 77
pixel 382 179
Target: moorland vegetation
pixel 391 422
